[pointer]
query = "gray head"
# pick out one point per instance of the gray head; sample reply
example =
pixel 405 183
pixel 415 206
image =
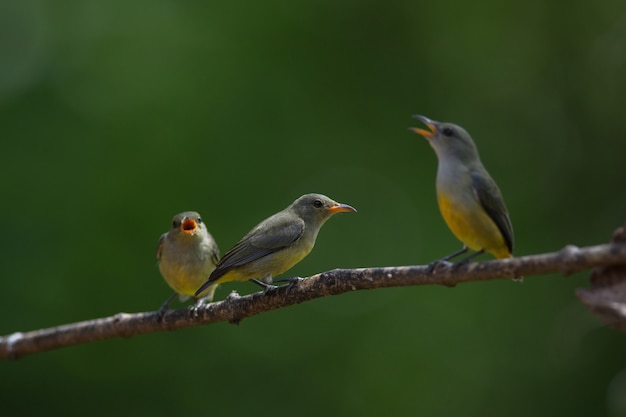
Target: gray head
pixel 187 225
pixel 448 140
pixel 317 208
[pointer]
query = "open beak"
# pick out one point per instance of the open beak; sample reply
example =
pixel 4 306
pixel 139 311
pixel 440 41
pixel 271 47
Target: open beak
pixel 432 125
pixel 339 208
pixel 189 226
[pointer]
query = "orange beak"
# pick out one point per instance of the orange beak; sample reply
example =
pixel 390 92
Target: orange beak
pixel 339 208
pixel 189 226
pixel 430 123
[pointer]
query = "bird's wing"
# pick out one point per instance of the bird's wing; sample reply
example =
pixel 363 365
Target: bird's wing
pixel 491 199
pixel 160 246
pixel 274 234
pixel 215 255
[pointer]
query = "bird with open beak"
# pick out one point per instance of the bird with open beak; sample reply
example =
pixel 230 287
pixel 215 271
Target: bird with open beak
pixel 187 254
pixel 469 200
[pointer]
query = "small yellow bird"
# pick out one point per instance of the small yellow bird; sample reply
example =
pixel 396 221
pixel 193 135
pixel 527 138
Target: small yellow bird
pixel 469 199
pixel 277 243
pixel 187 254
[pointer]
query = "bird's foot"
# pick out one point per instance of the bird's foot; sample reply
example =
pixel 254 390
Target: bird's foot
pixel 453 255
pixel 467 259
pixel 266 287
pixel 161 313
pixel 164 308
pixel 291 280
pixel 194 308
pixel 204 300
pixel 434 265
pixel 270 288
pixel 462 262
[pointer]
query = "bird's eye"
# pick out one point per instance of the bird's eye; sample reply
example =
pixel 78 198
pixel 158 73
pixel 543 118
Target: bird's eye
pixel 175 224
pixel 447 131
pixel 318 204
pixel 199 221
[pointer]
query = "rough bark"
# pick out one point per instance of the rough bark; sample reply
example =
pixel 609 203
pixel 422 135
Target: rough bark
pixel 606 297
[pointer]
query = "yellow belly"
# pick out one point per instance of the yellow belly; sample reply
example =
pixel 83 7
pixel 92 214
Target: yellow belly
pixel 269 266
pixel 472 225
pixel 185 281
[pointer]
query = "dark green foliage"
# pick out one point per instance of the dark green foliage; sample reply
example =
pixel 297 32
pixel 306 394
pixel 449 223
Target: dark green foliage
pixel 114 116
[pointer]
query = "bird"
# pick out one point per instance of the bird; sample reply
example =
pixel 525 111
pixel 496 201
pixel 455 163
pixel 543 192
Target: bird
pixel 187 254
pixel 469 200
pixel 277 243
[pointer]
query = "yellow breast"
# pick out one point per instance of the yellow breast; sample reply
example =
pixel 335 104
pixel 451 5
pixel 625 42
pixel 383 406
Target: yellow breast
pixel 270 265
pixel 471 224
pixel 185 279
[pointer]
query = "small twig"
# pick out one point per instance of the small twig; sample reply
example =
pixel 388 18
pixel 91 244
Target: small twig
pixel 338 281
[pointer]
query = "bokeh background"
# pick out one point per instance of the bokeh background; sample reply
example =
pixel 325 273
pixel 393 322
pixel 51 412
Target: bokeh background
pixel 114 116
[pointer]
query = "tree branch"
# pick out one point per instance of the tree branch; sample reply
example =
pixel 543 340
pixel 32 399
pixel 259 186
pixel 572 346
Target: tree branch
pixel 338 281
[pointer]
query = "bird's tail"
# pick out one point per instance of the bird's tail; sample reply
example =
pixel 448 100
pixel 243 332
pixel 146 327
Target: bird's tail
pixel 204 287
pixel 206 292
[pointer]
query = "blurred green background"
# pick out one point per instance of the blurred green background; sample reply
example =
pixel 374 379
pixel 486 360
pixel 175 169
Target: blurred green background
pixel 114 116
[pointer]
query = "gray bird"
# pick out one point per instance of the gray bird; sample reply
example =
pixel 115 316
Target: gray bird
pixel 277 243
